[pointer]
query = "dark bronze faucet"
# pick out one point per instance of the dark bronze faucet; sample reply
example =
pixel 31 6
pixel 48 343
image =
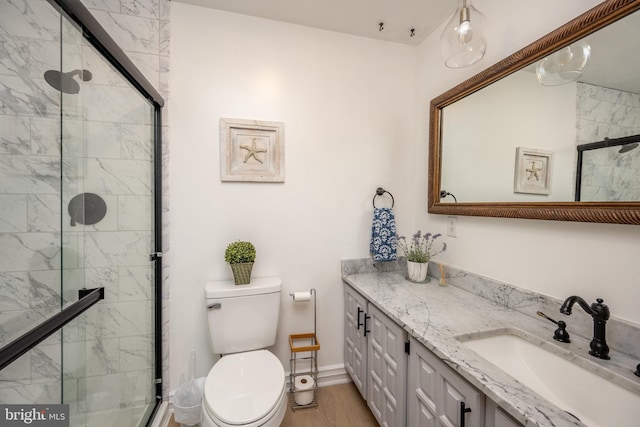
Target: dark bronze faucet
pixel 600 314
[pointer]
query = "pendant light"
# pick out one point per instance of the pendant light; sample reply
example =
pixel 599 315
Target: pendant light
pixel 564 66
pixel 463 41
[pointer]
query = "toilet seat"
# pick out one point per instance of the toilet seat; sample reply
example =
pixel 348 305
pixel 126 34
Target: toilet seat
pixel 244 389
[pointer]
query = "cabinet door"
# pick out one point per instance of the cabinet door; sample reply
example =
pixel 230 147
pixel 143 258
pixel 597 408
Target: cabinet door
pixel 355 346
pixel 496 417
pixel 386 365
pixel 453 391
pixel 435 393
pixel 504 420
pixel 422 387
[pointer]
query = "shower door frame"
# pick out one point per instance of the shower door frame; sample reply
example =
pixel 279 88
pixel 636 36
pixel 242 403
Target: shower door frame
pixel 98 37
pixel 104 43
pixel 607 142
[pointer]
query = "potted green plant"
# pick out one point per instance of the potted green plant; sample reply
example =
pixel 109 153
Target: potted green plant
pixel 419 252
pixel 240 256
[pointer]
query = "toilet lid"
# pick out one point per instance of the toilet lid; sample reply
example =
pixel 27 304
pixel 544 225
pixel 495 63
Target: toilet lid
pixel 244 387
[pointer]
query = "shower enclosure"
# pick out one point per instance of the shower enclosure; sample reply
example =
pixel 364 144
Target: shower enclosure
pixel 79 210
pixel 608 170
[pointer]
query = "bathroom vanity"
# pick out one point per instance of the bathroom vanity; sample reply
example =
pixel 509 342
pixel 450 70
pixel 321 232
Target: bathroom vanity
pixel 412 351
pixel 403 381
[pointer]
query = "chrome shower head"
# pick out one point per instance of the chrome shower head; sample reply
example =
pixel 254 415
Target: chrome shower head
pixel 64 82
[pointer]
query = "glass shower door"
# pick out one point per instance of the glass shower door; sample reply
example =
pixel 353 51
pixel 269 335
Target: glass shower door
pixel 31 237
pixel 108 212
pixel 77 197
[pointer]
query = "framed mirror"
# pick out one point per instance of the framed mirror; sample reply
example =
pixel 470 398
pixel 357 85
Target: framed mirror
pixel 509 141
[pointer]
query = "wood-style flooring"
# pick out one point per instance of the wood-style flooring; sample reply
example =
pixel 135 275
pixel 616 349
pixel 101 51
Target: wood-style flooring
pixel 338 406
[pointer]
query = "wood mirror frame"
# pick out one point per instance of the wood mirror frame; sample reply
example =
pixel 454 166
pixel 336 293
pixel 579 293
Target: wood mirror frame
pixel 601 212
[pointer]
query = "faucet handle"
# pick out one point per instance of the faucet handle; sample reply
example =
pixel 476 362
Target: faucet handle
pixel 561 333
pixel 541 314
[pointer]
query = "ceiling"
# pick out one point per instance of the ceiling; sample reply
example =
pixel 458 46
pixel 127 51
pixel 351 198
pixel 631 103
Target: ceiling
pixel 357 17
pixel 362 18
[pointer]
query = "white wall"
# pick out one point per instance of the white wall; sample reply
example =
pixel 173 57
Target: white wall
pixel 554 258
pixel 356 117
pixel 348 108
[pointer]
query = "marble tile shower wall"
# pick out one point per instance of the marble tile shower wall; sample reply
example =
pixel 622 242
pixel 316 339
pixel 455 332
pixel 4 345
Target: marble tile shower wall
pixel 104 153
pixel 608 113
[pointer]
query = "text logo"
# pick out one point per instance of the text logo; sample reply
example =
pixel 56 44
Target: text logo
pixel 34 415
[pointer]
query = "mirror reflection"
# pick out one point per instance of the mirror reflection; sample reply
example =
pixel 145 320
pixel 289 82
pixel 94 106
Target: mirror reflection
pixel 523 140
pixel 608 170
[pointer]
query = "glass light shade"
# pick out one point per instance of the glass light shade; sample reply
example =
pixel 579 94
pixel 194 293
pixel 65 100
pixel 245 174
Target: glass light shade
pixel 564 66
pixel 463 40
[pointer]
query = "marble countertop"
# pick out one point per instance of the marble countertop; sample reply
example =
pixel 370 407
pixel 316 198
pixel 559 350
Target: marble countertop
pixel 435 315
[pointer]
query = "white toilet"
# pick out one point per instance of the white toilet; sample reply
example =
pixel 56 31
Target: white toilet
pixel 246 387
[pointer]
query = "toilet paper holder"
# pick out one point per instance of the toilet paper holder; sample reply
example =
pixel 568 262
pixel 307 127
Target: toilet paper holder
pixel 305 297
pixel 304 349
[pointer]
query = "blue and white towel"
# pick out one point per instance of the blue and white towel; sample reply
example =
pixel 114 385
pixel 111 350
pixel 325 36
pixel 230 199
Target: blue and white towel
pixel 383 235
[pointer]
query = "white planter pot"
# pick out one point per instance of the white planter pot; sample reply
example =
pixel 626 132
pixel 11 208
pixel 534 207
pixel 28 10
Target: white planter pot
pixel 417 271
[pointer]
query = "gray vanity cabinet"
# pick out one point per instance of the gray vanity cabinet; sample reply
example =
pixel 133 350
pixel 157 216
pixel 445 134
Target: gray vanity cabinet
pixel 387 369
pixel 375 357
pixel 355 341
pixel 412 390
pixel 437 395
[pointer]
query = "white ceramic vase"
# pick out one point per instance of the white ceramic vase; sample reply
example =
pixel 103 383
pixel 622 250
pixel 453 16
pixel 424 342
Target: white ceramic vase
pixel 417 271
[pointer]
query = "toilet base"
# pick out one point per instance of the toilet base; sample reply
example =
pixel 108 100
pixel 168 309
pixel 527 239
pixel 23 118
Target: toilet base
pixel 274 421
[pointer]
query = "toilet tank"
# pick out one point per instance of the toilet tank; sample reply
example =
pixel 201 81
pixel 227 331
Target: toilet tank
pixel 243 317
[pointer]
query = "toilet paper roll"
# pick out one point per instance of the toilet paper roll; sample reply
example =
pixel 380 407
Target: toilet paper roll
pixel 304 382
pixel 301 296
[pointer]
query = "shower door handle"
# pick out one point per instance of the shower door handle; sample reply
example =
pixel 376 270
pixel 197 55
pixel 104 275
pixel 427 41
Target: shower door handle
pixel 16 348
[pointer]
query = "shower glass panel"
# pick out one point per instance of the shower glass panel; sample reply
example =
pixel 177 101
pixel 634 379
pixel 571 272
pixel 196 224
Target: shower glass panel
pixel 30 129
pixel 77 211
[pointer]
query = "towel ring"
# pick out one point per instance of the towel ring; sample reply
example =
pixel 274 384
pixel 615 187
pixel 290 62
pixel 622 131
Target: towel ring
pixel 445 193
pixel 379 192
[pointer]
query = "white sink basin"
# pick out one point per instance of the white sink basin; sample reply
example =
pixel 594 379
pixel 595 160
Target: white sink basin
pixel 593 399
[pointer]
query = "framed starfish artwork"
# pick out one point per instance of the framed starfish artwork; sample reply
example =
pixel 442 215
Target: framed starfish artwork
pixel 251 150
pixel 533 171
